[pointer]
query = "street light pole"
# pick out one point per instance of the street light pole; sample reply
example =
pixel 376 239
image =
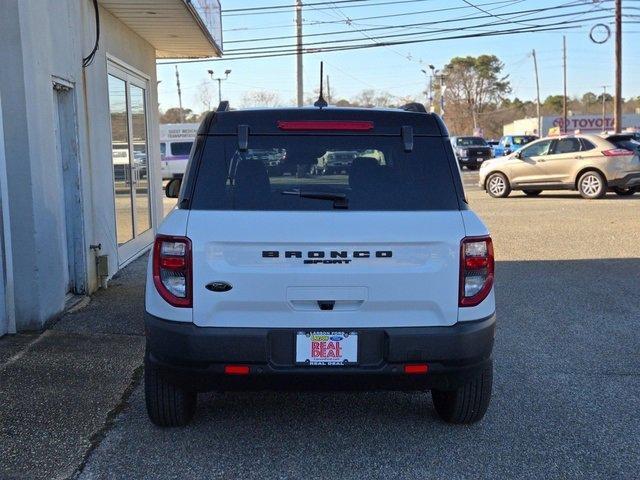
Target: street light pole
pixel 564 74
pixel 535 67
pixel 219 80
pixel 604 107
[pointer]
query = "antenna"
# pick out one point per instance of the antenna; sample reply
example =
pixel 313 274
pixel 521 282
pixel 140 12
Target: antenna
pixel 321 102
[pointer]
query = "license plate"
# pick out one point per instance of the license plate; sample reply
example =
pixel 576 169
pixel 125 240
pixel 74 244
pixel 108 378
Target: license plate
pixel 327 348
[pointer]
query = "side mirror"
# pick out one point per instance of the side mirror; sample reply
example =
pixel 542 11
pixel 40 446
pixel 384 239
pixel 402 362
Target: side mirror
pixel 507 145
pixel 518 155
pixel 172 190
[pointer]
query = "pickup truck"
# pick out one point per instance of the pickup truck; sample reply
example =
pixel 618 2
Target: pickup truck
pixel 511 143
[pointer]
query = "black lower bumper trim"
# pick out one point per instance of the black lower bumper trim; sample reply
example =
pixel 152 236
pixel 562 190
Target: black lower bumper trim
pixel 628 181
pixel 195 357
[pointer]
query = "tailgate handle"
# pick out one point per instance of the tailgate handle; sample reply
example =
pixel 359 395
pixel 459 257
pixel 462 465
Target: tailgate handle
pixel 326 304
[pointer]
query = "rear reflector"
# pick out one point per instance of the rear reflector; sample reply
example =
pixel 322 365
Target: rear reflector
pixel 417 368
pixel 316 125
pixel 236 369
pixel 617 152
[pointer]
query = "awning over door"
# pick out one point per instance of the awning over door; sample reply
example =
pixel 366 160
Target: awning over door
pixel 176 28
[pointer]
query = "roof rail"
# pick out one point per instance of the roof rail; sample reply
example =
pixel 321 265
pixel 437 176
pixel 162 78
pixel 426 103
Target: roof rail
pixel 223 106
pixel 414 107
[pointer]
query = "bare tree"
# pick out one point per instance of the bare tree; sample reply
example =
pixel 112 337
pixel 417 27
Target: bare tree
pixel 260 98
pixel 205 95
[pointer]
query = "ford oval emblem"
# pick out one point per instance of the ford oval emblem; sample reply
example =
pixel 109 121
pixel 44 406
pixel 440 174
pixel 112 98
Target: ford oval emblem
pixel 336 338
pixel 218 287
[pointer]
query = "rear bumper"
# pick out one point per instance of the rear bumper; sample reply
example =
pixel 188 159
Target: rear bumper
pixel 194 357
pixel 628 181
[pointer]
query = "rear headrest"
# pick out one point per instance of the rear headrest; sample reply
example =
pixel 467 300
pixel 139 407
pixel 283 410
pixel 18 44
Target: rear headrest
pixel 363 170
pixel 252 187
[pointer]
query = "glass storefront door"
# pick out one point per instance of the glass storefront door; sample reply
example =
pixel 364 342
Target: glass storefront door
pixel 130 158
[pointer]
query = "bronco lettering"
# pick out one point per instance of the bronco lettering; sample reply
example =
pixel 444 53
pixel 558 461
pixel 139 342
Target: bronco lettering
pixel 337 256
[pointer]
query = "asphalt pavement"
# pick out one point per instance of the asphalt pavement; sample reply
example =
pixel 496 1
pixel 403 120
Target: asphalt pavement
pixel 565 399
pixel 566 391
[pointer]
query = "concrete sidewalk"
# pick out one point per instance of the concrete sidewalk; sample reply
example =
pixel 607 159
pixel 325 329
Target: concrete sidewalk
pixel 60 390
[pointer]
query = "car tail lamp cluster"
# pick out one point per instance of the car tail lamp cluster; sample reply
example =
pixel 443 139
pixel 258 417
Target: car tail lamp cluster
pixel 172 270
pixel 617 152
pixel 476 270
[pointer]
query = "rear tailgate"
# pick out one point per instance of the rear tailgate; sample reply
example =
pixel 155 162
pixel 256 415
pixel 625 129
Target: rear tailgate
pixel 377 268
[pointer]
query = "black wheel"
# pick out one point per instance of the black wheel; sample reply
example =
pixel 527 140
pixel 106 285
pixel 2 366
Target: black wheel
pixel 592 185
pixel 532 193
pixel 625 192
pixel 472 167
pixel 168 405
pixel 468 403
pixel 498 185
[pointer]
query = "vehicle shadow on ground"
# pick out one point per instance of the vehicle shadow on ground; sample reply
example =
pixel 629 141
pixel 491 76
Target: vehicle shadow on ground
pixel 564 403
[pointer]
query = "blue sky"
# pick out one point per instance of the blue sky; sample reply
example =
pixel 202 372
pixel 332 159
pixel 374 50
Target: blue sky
pixel 397 69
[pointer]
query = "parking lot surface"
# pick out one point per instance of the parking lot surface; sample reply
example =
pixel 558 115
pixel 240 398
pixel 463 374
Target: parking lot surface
pixel 565 401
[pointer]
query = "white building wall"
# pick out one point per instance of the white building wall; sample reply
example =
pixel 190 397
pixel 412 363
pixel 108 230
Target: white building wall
pixel 584 123
pixel 40 40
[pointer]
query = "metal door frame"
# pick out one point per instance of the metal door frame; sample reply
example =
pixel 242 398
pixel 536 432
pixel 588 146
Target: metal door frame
pixel 131 76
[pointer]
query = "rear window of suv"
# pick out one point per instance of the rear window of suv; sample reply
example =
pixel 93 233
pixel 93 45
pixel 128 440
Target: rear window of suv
pixel 324 172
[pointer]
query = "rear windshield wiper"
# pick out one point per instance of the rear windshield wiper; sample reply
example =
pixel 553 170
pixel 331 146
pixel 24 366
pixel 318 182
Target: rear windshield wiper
pixel 340 200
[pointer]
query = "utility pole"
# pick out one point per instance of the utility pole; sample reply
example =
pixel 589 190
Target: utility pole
pixel 535 67
pixel 564 74
pixel 299 50
pixel 604 108
pixel 179 95
pixel 328 91
pixel 617 106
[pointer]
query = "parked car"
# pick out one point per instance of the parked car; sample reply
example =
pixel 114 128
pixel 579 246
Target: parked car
pixel 471 151
pixel 589 164
pixel 510 143
pixel 379 278
pixel 332 163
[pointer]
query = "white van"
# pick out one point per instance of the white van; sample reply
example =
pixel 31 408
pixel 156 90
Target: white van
pixel 176 140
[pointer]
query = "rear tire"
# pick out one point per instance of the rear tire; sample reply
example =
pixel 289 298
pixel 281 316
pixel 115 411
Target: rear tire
pixel 532 193
pixel 624 192
pixel 592 185
pixel 168 405
pixel 498 186
pixel 468 403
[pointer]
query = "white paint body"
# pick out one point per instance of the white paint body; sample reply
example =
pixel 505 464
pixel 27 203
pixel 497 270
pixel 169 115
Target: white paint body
pixel 417 286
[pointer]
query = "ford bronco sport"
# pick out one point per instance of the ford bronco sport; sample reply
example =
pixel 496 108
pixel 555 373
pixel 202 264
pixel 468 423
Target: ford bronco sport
pixel 376 277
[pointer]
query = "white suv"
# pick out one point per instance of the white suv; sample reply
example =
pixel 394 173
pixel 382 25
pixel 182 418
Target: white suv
pixel 378 277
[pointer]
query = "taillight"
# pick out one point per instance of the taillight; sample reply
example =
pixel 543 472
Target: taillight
pixel 617 152
pixel 476 270
pixel 172 270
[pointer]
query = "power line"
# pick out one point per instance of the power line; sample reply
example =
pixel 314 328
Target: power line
pixel 376 17
pixel 277 48
pixel 273 7
pixel 394 2
pixel 514 31
pixel 408 25
pixel 493 15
